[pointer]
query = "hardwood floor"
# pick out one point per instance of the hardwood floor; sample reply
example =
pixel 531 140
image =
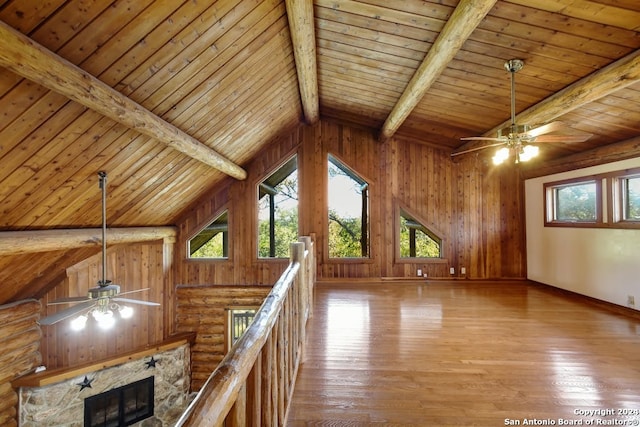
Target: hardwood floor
pixel 465 354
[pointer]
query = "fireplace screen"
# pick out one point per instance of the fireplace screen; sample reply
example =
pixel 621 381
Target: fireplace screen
pixel 120 406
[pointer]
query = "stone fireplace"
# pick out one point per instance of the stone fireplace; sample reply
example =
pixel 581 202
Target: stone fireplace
pixel 62 404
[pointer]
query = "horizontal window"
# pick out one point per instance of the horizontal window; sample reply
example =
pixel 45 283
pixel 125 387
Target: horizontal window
pixel 581 202
pixel 573 202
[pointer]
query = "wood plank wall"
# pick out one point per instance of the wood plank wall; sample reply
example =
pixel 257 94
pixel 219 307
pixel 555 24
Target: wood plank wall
pixel 20 343
pixel 475 206
pixel 201 309
pixel 240 199
pixel 133 267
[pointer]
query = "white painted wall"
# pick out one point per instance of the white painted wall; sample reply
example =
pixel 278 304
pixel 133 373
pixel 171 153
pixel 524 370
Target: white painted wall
pixel 597 262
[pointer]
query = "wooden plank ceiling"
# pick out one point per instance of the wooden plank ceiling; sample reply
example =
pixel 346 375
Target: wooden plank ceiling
pixel 168 96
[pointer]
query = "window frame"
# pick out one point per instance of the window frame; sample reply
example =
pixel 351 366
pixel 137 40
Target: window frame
pixel 259 186
pixel 220 212
pixel 609 200
pixel 229 322
pixel 364 182
pixel 549 190
pixel 619 196
pixel 432 231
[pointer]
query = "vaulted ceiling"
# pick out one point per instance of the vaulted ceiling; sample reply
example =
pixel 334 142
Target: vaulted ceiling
pixel 170 97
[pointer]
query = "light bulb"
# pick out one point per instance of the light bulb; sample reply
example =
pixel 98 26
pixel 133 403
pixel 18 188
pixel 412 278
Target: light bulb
pixel 529 152
pixel 500 156
pixel 106 319
pixel 126 312
pixel 79 323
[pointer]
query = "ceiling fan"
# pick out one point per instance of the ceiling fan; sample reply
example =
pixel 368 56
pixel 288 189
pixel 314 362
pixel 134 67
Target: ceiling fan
pixel 101 301
pixel 519 139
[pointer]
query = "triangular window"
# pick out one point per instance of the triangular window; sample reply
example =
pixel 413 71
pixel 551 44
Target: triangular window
pixel 213 240
pixel 416 240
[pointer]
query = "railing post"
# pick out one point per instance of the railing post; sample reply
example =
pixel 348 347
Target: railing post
pixel 238 415
pixel 309 276
pixel 254 382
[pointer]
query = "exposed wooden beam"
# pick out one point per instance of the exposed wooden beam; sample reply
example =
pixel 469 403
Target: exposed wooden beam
pixel 29 59
pixel 302 27
pixel 465 18
pixel 30 241
pixel 597 156
pixel 615 76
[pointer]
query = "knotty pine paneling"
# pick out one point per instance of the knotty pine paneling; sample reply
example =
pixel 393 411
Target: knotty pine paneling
pixel 239 198
pixel 133 267
pixel 476 207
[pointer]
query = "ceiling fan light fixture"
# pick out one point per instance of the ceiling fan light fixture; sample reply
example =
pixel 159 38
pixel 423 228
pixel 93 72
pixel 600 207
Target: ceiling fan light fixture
pixel 79 323
pixel 528 152
pixel 126 312
pixel 501 155
pixel 104 318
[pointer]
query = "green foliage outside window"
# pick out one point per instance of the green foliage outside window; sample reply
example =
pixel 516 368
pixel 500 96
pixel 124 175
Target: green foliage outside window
pixel 344 237
pixel 425 245
pixel 211 249
pixel 211 242
pixel 632 197
pixel 284 196
pixel 286 232
pixel 576 202
pixel 347 212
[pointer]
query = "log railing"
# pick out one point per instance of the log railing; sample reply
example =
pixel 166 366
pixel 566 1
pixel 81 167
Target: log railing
pixel 253 384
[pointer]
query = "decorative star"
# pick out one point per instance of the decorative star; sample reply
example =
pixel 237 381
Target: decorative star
pixel 86 383
pixel 151 363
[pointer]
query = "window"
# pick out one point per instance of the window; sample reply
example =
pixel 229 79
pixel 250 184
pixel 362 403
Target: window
pixel 416 240
pixel 213 240
pixel 574 202
pixel 629 197
pixel 122 406
pixel 348 212
pixel 278 211
pixel 238 321
pixel 607 200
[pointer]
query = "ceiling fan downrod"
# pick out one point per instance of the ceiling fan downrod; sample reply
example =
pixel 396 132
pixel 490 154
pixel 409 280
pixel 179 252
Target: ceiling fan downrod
pixel 513 66
pixel 103 186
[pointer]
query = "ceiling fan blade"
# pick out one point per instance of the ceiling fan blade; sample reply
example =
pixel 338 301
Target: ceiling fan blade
pixel 563 138
pixel 67 312
pixel 135 301
pixel 482 138
pixel 69 300
pixel 548 128
pixel 479 148
pixel 134 291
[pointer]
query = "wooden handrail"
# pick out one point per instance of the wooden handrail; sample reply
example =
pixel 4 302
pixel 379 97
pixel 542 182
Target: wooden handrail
pixel 253 384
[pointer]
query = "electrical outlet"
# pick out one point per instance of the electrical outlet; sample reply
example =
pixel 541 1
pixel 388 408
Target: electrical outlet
pixel 463 271
pixel 452 270
pixel 419 272
pixel 631 301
